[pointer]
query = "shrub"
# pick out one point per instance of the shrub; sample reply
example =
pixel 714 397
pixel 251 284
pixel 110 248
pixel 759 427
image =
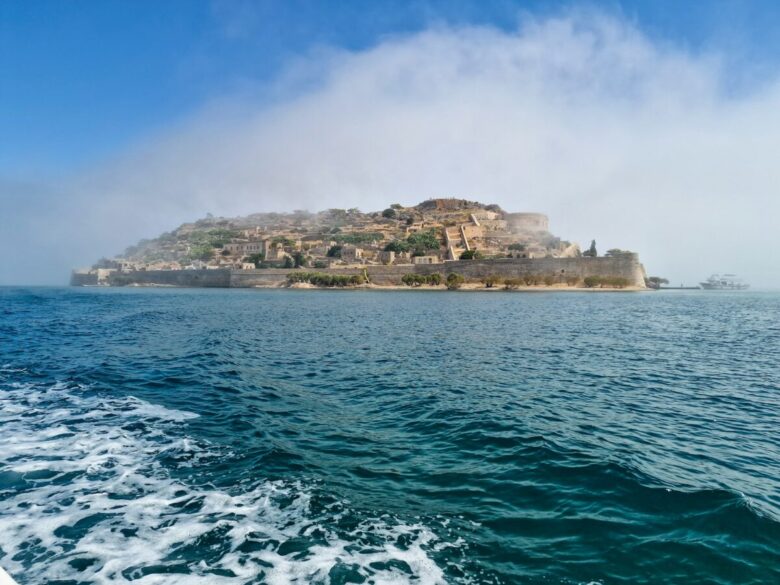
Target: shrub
pixel 512 283
pixel 298 259
pixel 454 281
pixel 334 251
pixel 609 281
pixel 397 246
pixel 471 255
pixel 549 280
pixel 256 259
pixel 326 280
pixel 389 213
pixel 572 280
pixel 517 247
pixel 284 241
pixel 422 242
pixel 359 238
pixel 530 279
pixel 201 252
pixel 415 280
pixel 491 280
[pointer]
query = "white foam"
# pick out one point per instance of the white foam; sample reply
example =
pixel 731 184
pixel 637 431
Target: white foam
pixel 114 472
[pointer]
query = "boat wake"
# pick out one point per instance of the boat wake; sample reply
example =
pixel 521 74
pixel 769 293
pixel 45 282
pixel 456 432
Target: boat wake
pixel 89 493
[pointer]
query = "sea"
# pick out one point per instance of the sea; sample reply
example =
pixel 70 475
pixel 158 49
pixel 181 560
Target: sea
pixel 199 436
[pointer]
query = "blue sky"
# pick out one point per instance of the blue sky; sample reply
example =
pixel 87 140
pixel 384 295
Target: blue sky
pixel 647 125
pixel 82 79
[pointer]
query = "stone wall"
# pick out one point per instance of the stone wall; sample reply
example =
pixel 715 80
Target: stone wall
pixel 83 279
pixel 626 266
pixel 194 278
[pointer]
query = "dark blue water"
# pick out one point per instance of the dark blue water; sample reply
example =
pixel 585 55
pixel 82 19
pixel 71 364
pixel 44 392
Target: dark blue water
pixel 205 436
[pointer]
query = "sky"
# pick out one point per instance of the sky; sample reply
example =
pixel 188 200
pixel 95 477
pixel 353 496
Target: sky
pixel 651 126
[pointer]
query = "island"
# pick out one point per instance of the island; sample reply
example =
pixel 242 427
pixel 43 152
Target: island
pixel 440 243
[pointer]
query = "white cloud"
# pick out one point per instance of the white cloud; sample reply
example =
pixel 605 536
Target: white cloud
pixel 616 137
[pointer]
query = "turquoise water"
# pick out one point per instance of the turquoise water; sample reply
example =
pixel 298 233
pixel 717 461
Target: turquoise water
pixel 247 436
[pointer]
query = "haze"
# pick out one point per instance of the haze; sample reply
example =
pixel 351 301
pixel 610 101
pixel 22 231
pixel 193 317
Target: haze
pixel 634 139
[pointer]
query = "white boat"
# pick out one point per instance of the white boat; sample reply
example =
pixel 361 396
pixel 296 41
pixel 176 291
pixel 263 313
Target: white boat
pixel 724 282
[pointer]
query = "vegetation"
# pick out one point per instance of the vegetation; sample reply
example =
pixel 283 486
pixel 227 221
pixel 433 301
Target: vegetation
pixel 606 281
pixel 491 280
pixel 389 213
pixel 288 262
pixel 423 241
pixel 397 246
pixel 326 280
pixel 454 281
pixel 359 238
pixel 256 259
pixel 415 280
pixel 284 241
pixel 334 251
pixel 591 252
pixel 202 252
pixel 616 252
pixel 418 243
pixel 655 282
pixel 471 255
pixel 213 238
pixel 298 259
pixel 512 283
pixel 517 247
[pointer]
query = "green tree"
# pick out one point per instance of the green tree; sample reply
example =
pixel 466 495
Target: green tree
pixel 591 252
pixel 655 282
pixel 471 255
pixel 423 241
pixel 491 280
pixel 397 246
pixel 334 251
pixel 454 281
pixel 256 259
pixel 202 252
pixel 298 259
pixel 389 213
pixel 288 262
pixel 616 252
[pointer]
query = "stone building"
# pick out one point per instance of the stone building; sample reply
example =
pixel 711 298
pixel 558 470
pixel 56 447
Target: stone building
pixel 520 223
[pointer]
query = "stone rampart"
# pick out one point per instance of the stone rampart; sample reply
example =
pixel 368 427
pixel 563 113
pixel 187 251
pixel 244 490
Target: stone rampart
pixel 625 266
pixel 83 279
pixel 192 278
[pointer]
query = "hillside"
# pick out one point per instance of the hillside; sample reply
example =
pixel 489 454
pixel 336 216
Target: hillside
pixel 431 232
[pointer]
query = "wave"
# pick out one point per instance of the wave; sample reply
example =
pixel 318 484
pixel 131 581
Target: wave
pixel 89 493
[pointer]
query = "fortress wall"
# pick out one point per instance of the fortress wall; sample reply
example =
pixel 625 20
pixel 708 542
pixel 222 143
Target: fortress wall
pixel 272 276
pixel 83 279
pixel 474 270
pixel 627 266
pixel 193 278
